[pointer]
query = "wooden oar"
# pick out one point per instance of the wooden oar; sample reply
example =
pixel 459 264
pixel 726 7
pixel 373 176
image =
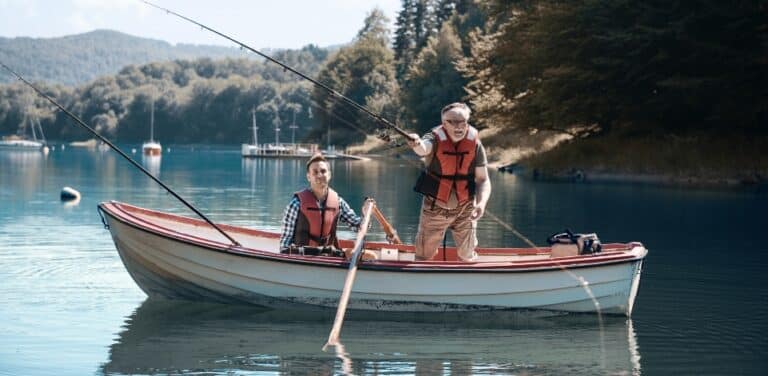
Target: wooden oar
pixel 388 229
pixel 333 337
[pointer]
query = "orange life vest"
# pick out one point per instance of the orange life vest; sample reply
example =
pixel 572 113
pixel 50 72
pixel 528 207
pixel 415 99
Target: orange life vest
pixel 316 226
pixel 451 167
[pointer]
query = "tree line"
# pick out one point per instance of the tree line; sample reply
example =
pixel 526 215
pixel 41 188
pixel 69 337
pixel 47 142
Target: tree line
pixel 585 68
pixel 195 101
pixel 74 60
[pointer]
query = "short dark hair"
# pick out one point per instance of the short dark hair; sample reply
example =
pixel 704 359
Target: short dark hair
pixel 316 158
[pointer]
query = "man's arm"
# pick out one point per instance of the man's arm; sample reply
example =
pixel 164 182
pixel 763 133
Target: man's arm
pixel 483 192
pixel 420 146
pixel 349 216
pixel 288 226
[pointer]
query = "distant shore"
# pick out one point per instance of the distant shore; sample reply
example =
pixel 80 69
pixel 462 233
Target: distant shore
pixel 747 181
pixel 704 160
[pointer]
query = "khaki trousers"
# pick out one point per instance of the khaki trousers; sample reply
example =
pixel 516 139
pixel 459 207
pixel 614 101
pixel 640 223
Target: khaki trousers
pixel 434 221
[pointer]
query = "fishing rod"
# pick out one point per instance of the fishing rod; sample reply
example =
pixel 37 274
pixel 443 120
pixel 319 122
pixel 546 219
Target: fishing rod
pixel 115 148
pixel 333 93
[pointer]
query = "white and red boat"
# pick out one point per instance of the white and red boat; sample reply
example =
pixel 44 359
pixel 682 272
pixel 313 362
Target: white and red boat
pixel 152 147
pixel 178 257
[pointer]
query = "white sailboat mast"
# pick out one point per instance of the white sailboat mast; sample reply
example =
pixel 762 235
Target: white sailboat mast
pixel 152 121
pixel 293 129
pixel 40 126
pixel 255 128
pixel 32 126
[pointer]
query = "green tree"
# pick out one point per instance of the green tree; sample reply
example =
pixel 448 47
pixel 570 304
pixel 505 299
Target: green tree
pixel 424 22
pixel 404 43
pixel 189 107
pixel 434 80
pixel 416 23
pixel 598 66
pixel 363 72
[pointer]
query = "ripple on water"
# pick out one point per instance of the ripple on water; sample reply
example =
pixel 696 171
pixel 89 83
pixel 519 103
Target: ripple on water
pixel 51 267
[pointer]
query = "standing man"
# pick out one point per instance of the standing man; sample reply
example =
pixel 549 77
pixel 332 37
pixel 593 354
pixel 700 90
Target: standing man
pixel 455 183
pixel 312 215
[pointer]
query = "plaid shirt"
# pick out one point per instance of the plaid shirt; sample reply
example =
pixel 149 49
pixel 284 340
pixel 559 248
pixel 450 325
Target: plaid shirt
pixel 288 227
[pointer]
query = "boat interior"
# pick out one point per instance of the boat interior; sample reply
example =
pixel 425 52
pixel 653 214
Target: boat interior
pixel 253 240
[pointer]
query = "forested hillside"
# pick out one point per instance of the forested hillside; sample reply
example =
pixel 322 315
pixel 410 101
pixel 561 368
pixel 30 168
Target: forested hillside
pixel 76 59
pixel 204 100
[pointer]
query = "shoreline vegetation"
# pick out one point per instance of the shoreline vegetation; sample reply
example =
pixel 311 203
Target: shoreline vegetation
pixel 695 161
pixel 619 91
pixel 704 160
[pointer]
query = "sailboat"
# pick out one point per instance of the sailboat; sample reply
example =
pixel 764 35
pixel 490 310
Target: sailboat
pixel 252 150
pixel 152 147
pixel 277 150
pixel 19 143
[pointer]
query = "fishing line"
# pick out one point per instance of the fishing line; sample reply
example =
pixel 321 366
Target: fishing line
pixel 116 149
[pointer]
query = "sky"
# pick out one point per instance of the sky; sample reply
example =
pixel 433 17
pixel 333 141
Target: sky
pixel 258 23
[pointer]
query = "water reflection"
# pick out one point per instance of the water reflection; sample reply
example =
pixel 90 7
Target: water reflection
pixel 174 337
pixel 152 164
pixel 248 170
pixel 71 203
pixel 23 167
pixel 22 157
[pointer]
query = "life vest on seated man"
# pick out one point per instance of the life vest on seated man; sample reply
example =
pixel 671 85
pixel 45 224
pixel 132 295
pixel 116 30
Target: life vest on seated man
pixel 451 167
pixel 316 226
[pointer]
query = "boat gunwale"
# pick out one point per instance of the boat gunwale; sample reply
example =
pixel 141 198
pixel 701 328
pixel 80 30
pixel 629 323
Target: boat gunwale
pixel 126 213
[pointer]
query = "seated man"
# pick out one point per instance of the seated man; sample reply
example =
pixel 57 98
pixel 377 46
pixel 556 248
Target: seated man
pixel 312 215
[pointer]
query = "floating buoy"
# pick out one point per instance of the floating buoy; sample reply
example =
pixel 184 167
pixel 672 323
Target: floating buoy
pixel 68 194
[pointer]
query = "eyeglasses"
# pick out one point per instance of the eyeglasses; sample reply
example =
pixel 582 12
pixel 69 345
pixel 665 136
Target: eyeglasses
pixel 456 123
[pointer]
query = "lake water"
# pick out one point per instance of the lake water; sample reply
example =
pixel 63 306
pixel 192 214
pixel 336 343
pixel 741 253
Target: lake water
pixel 68 307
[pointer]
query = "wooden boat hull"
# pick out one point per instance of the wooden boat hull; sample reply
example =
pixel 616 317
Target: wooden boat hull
pixel 178 257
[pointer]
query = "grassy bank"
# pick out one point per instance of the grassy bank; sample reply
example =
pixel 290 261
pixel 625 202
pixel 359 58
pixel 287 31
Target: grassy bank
pixel 694 159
